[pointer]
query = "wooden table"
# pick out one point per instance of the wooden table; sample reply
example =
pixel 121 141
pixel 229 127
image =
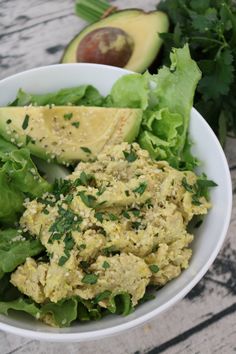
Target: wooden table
pixel 33 33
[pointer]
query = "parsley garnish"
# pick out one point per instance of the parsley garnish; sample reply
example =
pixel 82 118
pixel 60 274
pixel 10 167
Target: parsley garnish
pixel 130 156
pixel 28 140
pixel 9 121
pixel 64 259
pixel 210 28
pixel 68 116
pixel 75 124
pixel 101 190
pixel 126 214
pixel 90 279
pixel 85 179
pixel 136 225
pixel 112 217
pixel 99 216
pixel 88 199
pixel 199 189
pixel 105 265
pixel 69 242
pixel 112 250
pixel 141 188
pixel 25 122
pixel 154 268
pixel 187 186
pixel 85 149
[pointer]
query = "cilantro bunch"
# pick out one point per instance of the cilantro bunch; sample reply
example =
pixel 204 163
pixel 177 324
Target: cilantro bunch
pixel 209 26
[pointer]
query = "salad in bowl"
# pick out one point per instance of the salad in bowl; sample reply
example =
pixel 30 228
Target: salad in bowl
pixel 100 194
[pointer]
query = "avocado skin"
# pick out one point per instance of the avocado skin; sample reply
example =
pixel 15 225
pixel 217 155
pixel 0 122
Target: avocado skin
pixel 145 55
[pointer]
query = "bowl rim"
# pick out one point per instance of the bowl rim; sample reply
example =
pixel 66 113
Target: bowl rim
pixel 101 333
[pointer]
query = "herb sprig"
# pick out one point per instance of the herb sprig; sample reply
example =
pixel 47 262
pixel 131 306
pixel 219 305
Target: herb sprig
pixel 209 26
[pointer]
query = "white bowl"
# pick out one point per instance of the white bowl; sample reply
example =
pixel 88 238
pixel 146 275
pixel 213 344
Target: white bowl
pixel 208 238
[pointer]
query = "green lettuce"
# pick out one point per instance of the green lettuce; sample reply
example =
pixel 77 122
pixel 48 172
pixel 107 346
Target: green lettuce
pixel 15 248
pixel 166 99
pixel 85 95
pixel 63 313
pixel 19 177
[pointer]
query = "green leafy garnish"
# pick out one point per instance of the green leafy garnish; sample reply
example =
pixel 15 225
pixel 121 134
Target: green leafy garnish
pixel 130 156
pixel 68 116
pixel 76 124
pixel 90 279
pixel 210 29
pixel 86 149
pixel 25 122
pixel 99 216
pixel 154 268
pixel 105 265
pixel 141 188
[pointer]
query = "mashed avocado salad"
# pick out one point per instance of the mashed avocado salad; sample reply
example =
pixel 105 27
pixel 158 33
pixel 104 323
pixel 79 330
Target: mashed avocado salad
pixel 98 241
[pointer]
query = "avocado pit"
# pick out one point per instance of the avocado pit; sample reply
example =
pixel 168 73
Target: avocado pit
pixel 106 45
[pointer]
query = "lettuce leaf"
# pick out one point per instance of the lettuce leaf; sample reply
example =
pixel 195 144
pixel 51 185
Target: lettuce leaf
pixel 166 99
pixel 18 177
pixel 85 95
pixel 20 304
pixel 61 313
pixel 14 249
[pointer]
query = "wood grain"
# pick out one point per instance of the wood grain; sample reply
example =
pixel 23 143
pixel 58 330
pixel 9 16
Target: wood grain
pixel 34 33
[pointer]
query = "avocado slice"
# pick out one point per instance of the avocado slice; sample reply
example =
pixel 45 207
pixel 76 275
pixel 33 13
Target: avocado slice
pixel 127 38
pixel 68 133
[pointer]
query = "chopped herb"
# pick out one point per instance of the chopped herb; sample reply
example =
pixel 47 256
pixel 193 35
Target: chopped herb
pixel 195 200
pixel 105 265
pixel 69 198
pixel 28 140
pixel 85 179
pixel 84 265
pixel 141 188
pixel 135 212
pixel 88 199
pixel 99 216
pixel 64 259
pixel 127 193
pixel 102 296
pixel 9 121
pixel 154 268
pixel 45 211
pixel 126 214
pixel 130 156
pixel 75 124
pixel 85 149
pixel 25 122
pixel 112 217
pixel 188 187
pixel 90 279
pixel 101 190
pixel 199 189
pixel 68 116
pixel 112 250
pixel 136 225
pixel 69 242
pixel 81 247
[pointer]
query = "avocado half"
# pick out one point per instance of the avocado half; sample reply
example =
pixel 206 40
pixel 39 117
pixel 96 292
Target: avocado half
pixel 132 43
pixel 68 133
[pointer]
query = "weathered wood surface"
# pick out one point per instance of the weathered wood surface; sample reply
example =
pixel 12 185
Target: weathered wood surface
pixel 33 33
